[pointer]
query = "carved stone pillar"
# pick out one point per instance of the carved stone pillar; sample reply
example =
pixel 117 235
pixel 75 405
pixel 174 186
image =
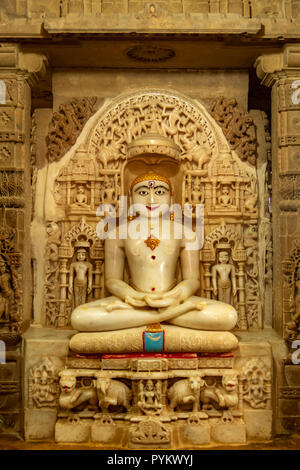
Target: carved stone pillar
pixel 281 72
pixel 18 72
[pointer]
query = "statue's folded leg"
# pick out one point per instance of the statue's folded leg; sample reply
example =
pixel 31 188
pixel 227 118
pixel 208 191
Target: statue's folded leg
pixel 215 316
pixel 110 314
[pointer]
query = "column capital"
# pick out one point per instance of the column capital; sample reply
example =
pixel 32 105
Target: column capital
pixel 271 67
pixel 13 59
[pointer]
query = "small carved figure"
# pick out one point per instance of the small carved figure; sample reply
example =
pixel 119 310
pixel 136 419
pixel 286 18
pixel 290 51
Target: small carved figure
pixel 225 198
pixel 43 384
pixel 150 396
pixel 109 192
pixel 81 270
pixel 224 395
pixel 113 392
pixel 251 199
pixel 185 391
pixel 71 396
pixel 224 278
pixel 197 193
pixel 81 199
pixel 6 292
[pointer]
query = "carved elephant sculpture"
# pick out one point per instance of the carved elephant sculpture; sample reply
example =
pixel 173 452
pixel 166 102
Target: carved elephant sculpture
pixel 113 392
pixel 185 391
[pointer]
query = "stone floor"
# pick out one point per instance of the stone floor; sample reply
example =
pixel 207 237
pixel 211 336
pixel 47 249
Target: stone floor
pixel 280 443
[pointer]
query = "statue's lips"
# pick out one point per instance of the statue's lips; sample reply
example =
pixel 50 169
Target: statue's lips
pixel 152 208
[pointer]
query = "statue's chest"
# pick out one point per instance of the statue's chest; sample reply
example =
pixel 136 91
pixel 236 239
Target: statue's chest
pixel 152 248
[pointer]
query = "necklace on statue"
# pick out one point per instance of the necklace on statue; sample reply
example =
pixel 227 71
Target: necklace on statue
pixel 152 242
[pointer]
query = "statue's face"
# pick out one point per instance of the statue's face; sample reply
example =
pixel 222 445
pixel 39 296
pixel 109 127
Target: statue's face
pixel 223 257
pixel 81 255
pixel 154 195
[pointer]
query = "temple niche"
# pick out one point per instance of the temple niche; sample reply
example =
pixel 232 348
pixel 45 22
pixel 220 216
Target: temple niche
pixel 94 174
pixel 197 388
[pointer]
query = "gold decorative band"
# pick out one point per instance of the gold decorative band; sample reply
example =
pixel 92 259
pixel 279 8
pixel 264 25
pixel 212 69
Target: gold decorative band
pixel 150 176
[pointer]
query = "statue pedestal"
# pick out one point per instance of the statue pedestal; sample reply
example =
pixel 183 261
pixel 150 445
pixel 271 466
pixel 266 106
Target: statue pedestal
pixel 149 400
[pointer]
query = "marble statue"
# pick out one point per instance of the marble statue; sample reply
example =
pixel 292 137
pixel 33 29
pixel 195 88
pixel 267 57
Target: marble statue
pixel 80 280
pixel 224 278
pixel 152 294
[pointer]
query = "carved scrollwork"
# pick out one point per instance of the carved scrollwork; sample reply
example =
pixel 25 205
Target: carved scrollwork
pixel 238 128
pixel 66 125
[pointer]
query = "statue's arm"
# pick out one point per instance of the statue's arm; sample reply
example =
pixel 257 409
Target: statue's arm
pixel 233 280
pixel 214 280
pixel 190 273
pixel 71 278
pixel 114 272
pixel 90 278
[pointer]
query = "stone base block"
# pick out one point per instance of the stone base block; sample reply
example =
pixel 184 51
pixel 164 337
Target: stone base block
pixel 72 431
pixel 150 432
pixel 39 424
pixel 258 424
pixel 230 432
pixel 197 434
pixel 105 433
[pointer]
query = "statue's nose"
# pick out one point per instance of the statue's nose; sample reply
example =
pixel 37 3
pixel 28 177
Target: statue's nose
pixel 152 196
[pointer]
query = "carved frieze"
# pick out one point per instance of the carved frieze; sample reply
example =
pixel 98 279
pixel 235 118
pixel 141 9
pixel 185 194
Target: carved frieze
pixel 291 293
pixel 10 286
pixel 238 128
pixel 66 125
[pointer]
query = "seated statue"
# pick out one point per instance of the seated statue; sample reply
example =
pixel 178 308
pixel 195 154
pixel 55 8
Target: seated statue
pixel 152 296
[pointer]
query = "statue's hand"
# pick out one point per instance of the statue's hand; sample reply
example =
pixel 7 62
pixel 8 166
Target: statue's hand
pixel 135 302
pixel 161 302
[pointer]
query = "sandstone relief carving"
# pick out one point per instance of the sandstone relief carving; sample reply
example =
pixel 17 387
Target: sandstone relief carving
pixel 256 379
pixel 43 389
pixel 238 129
pixel 66 125
pixel 10 286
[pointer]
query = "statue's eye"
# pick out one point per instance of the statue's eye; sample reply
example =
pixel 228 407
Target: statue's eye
pixel 143 192
pixel 160 192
